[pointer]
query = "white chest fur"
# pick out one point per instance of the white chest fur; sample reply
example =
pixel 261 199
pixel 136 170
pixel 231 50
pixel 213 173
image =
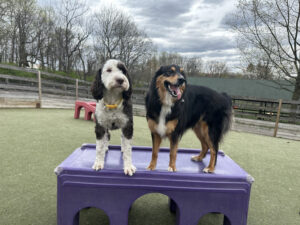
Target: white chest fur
pixel 165 110
pixel 110 118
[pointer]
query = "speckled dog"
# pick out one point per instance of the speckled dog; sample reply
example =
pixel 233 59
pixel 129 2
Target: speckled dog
pixel 112 90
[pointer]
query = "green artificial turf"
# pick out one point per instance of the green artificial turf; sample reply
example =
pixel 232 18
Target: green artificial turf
pixel 34 141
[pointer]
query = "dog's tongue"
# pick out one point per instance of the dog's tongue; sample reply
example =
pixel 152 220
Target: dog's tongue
pixel 178 93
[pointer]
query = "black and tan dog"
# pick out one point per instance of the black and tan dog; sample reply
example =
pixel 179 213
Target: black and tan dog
pixel 173 106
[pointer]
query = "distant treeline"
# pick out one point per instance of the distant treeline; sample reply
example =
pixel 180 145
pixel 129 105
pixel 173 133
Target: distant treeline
pixel 71 39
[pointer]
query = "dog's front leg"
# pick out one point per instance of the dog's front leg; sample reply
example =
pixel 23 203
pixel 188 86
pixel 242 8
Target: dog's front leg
pixel 126 148
pixel 101 147
pixel 156 141
pixel 173 153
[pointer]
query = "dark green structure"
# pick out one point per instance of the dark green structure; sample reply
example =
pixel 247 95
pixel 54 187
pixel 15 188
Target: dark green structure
pixel 247 88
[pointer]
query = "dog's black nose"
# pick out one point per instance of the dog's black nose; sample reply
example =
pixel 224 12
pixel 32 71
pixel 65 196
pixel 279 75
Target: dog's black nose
pixel 120 81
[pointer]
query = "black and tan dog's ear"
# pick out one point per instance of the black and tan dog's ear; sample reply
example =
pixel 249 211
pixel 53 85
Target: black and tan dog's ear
pixel 160 71
pixel 97 86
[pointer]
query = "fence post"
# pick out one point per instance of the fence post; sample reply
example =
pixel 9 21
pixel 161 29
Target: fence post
pixel 76 89
pixel 39 104
pixel 277 118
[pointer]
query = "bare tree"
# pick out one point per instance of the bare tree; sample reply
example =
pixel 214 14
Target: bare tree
pixel 271 28
pixel 25 12
pixel 261 71
pixel 16 33
pixel 216 68
pixel 3 12
pixel 193 66
pixel 117 36
pixel 42 47
pixel 72 32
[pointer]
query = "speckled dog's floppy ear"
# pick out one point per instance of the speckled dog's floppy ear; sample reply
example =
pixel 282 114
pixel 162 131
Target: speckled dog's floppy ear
pixel 98 86
pixel 126 94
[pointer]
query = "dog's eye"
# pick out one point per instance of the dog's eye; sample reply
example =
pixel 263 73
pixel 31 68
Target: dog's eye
pixel 108 70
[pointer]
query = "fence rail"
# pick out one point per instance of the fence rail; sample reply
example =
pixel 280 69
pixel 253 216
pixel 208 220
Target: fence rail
pixel 10 82
pixel 266 109
pixel 244 107
pixel 251 107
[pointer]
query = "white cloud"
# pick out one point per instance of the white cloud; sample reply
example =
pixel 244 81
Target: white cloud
pixel 187 27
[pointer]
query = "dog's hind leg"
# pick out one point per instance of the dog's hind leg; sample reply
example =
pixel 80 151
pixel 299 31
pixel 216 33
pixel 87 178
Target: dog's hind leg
pixel 212 162
pixel 126 148
pixel 101 147
pixel 200 130
pixel 213 147
pixel 156 141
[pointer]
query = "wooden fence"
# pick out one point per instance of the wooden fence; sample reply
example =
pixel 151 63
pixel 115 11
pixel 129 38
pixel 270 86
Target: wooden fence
pixel 245 107
pixel 45 83
pixel 266 109
pixel 277 111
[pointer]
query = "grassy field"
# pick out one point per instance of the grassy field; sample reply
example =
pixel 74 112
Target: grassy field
pixel 33 142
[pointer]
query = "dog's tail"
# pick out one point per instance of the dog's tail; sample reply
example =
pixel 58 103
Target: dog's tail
pixel 227 117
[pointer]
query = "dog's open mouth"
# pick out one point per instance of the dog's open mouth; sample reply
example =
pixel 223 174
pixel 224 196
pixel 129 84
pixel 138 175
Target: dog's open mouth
pixel 174 90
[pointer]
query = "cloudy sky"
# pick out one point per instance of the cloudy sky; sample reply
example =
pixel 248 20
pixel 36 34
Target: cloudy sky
pixel 189 27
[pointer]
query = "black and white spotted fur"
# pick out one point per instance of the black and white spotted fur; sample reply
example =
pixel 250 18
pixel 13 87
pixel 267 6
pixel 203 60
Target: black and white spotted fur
pixel 112 85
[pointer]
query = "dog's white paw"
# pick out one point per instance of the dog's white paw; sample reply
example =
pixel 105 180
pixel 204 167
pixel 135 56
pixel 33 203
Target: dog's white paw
pixel 196 158
pixel 98 164
pixel 207 170
pixel 129 170
pixel 171 169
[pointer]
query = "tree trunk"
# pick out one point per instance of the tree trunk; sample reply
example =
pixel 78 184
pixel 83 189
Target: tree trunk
pixel 22 55
pixel 13 43
pixel 296 93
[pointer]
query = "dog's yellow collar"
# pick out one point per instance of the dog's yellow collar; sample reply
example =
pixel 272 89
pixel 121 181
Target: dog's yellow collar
pixel 113 106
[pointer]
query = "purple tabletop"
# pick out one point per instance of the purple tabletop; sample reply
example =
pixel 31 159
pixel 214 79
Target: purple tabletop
pixel 82 159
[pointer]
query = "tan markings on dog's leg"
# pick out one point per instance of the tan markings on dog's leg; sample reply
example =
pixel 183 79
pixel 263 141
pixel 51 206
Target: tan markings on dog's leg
pixel 173 155
pixel 173 68
pixel 181 69
pixel 212 161
pixel 152 125
pixel 201 130
pixel 171 125
pixel 155 148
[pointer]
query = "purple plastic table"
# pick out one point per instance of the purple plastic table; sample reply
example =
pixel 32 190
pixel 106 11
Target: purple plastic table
pixel 192 192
